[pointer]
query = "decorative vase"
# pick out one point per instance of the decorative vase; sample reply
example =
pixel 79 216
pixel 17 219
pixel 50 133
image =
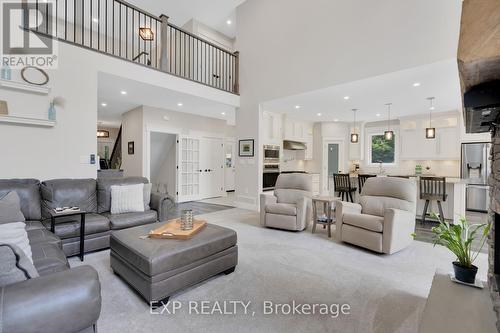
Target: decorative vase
pixel 465 274
pixel 6 73
pixel 52 112
pixel 187 220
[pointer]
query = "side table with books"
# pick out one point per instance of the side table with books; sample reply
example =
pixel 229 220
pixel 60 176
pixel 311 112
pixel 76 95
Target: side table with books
pixel 327 218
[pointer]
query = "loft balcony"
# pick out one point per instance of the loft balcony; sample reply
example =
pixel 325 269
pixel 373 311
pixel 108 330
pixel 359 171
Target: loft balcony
pixel 119 29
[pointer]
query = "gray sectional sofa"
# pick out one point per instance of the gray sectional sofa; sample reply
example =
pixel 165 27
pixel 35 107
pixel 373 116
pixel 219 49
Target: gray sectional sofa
pixel 93 196
pixel 57 298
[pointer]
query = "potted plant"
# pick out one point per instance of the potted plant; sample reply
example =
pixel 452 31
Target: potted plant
pixel 458 239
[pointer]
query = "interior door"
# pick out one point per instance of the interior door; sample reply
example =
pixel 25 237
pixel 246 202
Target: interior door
pixel 333 162
pixel 229 167
pixel 213 167
pixel 188 169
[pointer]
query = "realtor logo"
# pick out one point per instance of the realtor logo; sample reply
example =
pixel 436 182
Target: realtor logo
pixel 27 30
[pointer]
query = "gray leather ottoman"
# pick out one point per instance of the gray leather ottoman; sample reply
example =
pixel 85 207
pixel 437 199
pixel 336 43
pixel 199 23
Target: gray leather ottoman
pixel 158 268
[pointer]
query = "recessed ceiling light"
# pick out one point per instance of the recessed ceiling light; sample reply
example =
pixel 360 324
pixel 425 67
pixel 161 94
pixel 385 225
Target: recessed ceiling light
pixel 346 97
pixel 180 104
pixel 123 92
pixel 432 108
pixel 319 114
pixel 229 22
pixel 223 113
pixel 416 84
pixel 95 20
pixel 378 115
pixel 104 104
pixel 335 120
pixel 297 107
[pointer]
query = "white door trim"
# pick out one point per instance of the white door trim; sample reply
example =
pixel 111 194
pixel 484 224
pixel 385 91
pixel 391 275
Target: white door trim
pixel 324 167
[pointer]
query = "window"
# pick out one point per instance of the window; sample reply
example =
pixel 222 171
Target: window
pixel 382 150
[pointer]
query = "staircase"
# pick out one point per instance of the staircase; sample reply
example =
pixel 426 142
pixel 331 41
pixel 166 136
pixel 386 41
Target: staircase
pixel 115 161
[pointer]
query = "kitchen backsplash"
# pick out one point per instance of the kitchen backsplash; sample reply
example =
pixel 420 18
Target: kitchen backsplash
pixel 438 168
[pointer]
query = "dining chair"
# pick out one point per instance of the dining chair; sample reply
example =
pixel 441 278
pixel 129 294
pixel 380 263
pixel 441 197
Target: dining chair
pixel 343 186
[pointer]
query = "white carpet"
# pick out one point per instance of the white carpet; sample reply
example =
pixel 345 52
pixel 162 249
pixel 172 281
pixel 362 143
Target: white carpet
pixel 386 293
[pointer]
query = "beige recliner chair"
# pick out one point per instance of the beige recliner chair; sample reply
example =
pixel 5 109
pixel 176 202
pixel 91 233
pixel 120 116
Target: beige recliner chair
pixel 384 219
pixel 290 206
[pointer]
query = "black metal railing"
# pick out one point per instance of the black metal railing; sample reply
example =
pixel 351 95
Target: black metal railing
pixel 117 28
pixel 194 58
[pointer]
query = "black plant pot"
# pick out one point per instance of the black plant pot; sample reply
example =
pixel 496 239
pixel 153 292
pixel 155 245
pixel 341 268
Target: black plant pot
pixel 465 274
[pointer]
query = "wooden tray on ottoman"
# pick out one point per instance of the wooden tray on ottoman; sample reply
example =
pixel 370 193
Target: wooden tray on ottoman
pixel 172 230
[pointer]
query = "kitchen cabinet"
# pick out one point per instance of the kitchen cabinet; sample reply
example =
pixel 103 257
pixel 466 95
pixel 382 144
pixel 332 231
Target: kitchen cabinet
pixel 301 131
pixel 272 128
pixel 315 183
pixel 308 153
pixel 296 130
pixel 415 146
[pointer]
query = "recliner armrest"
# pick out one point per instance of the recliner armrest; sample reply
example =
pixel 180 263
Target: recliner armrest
pixel 341 208
pixel 159 202
pixel 265 199
pixel 398 228
pixel 68 301
pixel 304 212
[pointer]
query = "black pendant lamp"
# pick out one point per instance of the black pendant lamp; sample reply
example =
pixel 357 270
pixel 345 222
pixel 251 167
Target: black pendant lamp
pixel 354 134
pixel 389 135
pixel 430 132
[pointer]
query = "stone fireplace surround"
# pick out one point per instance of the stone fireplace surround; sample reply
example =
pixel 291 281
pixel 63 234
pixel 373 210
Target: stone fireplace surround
pixel 494 218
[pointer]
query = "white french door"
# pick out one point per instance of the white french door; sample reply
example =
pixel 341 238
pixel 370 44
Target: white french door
pixel 188 169
pixel 200 168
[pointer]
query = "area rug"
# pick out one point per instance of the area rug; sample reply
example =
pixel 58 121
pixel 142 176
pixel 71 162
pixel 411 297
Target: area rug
pixel 379 293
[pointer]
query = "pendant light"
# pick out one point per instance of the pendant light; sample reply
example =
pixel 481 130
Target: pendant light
pixel 354 135
pixel 389 135
pixel 430 132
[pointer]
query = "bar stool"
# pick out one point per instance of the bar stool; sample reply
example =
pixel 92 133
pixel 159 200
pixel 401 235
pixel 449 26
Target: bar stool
pixel 433 188
pixel 342 183
pixel 362 179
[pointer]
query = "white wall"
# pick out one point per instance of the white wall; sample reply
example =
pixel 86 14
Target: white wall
pixel 163 161
pixel 209 34
pixel 61 151
pixel 133 131
pixel 289 47
pixel 64 151
pixel 139 123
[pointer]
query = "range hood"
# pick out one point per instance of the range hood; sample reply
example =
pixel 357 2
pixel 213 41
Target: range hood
pixel 482 107
pixel 293 145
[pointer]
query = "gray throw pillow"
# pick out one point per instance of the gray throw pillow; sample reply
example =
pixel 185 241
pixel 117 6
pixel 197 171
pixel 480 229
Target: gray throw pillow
pixel 10 208
pixel 14 265
pixel 147 196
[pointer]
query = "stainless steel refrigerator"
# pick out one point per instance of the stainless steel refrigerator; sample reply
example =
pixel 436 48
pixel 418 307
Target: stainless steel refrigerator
pixel 476 171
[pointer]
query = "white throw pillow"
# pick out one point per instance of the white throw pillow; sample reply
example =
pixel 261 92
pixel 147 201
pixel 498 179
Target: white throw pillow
pixel 127 198
pixel 15 233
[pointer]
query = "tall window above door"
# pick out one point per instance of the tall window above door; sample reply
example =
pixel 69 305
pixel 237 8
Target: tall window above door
pixel 381 150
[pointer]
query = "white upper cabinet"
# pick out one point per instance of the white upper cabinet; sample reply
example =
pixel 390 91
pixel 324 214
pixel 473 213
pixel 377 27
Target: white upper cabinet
pixel 446 145
pixel 301 131
pixel 272 128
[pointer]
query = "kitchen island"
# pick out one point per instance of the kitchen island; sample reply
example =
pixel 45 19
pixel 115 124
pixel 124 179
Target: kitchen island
pixel 453 207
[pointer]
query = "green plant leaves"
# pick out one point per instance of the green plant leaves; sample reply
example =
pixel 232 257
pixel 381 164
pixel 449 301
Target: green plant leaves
pixel 458 238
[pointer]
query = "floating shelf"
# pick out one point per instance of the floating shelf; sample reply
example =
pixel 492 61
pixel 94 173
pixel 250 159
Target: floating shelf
pixel 27 121
pixel 42 90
